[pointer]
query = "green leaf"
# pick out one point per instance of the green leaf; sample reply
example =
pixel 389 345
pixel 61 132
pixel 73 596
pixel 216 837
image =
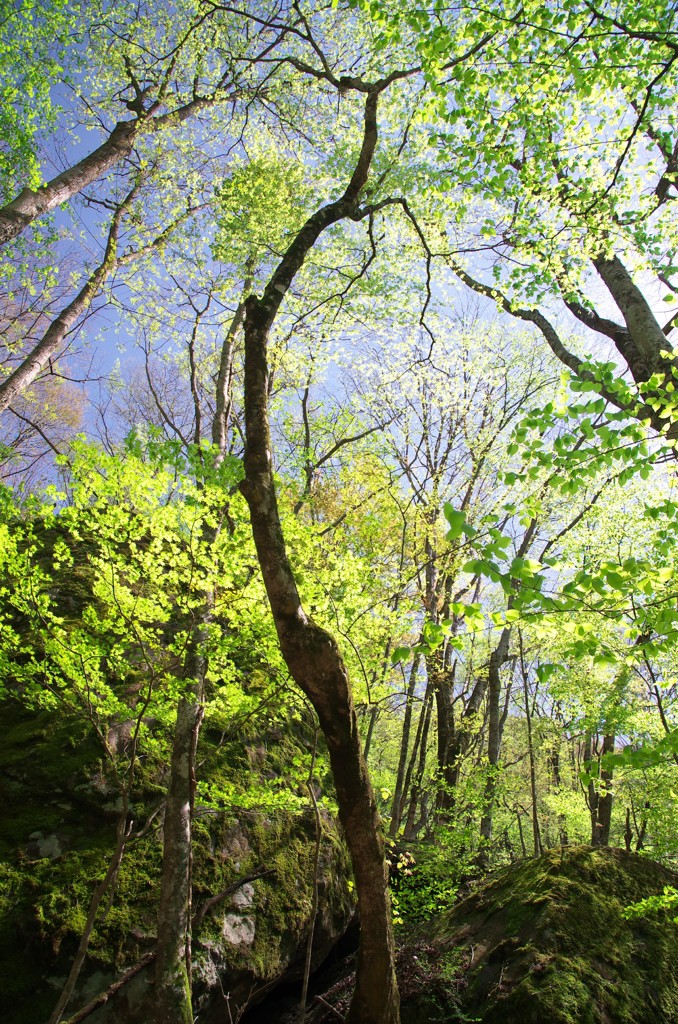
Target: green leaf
pixel 456 520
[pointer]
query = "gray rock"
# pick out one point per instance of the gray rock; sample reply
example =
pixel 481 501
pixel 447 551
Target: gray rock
pixel 238 930
pixel 50 847
pixel 244 897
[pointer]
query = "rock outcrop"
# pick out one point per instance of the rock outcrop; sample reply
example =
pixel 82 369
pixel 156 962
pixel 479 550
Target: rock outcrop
pixel 58 812
pixel 544 941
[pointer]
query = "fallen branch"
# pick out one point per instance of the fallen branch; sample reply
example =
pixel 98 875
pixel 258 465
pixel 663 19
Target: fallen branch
pixel 103 997
pixel 323 1002
pixel 148 958
pixel 213 900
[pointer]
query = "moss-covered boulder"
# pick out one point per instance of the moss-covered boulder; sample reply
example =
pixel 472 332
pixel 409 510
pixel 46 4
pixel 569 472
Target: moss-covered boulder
pixel 545 942
pixel 59 808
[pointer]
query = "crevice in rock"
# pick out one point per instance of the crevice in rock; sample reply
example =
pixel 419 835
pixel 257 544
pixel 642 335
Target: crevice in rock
pixel 281 1005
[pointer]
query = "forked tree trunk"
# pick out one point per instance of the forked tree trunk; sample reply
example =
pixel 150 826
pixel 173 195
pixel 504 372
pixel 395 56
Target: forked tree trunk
pixel 310 652
pixel 315 663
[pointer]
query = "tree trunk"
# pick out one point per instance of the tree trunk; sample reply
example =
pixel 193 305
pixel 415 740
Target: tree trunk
pixel 399 794
pixel 554 765
pixel 442 690
pixel 464 734
pixel 310 652
pixel 315 663
pixel 495 730
pixel 418 758
pixel 373 715
pixel 644 330
pixel 56 334
pixel 32 203
pixel 536 837
pixel 173 963
pixel 601 827
pixel 600 800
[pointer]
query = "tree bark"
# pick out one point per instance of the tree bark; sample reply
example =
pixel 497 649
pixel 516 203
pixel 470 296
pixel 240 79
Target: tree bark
pixel 646 334
pixel 465 732
pixel 30 203
pixel 536 836
pixel 224 396
pixel 601 811
pixel 373 715
pixel 310 652
pixel 418 757
pixel 555 784
pixel 56 334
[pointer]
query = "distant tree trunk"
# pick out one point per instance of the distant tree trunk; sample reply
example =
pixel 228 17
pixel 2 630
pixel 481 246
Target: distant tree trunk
pixel 373 715
pixel 628 834
pixel 600 800
pixel 536 837
pixel 641 830
pixel 441 689
pixel 601 830
pixel 399 793
pixel 417 766
pixel 556 782
pixel 465 731
pixel 520 835
pixel 223 390
pixel 495 730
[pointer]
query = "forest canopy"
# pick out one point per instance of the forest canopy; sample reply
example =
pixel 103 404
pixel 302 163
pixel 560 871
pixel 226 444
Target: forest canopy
pixel 338 419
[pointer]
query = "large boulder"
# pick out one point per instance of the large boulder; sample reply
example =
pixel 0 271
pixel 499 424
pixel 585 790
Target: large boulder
pixel 546 942
pixel 59 805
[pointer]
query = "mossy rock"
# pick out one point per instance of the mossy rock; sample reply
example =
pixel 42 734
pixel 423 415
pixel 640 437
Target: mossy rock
pixel 545 942
pixel 58 816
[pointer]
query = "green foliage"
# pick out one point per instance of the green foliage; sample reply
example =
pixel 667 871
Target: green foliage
pixel 426 879
pixel 263 204
pixel 665 902
pixel 36 45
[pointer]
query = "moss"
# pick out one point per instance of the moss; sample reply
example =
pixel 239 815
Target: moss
pixel 42 761
pixel 284 842
pixel 546 941
pixel 53 781
pixel 57 797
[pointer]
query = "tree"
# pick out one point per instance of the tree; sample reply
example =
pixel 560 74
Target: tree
pixel 291 182
pixel 156 64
